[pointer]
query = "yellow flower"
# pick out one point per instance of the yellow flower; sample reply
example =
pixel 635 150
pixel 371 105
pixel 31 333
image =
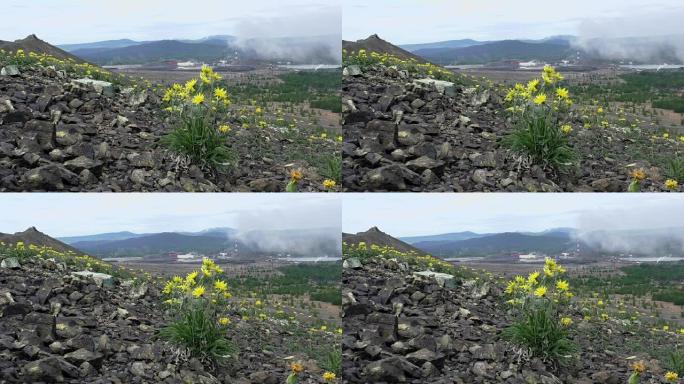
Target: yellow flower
pixel 258 303
pixel 671 184
pixel 566 321
pixel 296 175
pixel 258 110
pixel 562 93
pixel 189 85
pixel 224 128
pixel 666 135
pixel 540 292
pixel 562 285
pixel 532 278
pixel 540 99
pixel 639 367
pixel 198 99
pixel 638 174
pixel 672 377
pixel 532 85
pixel 224 321
pixel 329 184
pixel 567 128
pixel 599 110
pixel 329 376
pixel 297 368
pixel 220 93
pixel 220 286
pixel 199 291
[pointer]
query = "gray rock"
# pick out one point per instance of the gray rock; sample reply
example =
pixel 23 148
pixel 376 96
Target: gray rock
pixel 442 279
pixel 444 87
pixel 10 70
pixel 100 279
pixel 10 263
pixel 352 263
pixel 101 87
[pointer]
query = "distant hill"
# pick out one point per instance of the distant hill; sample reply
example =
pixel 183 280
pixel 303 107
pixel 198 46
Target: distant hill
pixel 33 44
pixel 442 44
pixel 100 237
pixel 35 237
pixel 455 236
pixel 381 239
pixel 498 51
pixel 375 44
pixel 154 52
pixel 158 243
pixel 107 44
pixel 498 244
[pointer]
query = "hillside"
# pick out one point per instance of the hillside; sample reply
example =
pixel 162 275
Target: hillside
pixel 455 236
pixel 497 51
pixel 432 130
pixel 37 238
pixel 33 44
pixel 375 44
pixel 401 326
pixel 67 319
pixel 153 244
pixel 375 236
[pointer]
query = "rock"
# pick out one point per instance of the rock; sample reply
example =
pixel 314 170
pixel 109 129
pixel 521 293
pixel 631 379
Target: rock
pixel 101 87
pixel 352 263
pixel 84 163
pixel 264 377
pixel 139 369
pixel 83 355
pixel 10 263
pixel 101 279
pixel 444 87
pixel 352 70
pixel 10 70
pixel 442 279
pixel 138 176
pixel 48 368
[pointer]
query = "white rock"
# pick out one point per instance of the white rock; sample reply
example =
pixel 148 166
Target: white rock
pixel 442 279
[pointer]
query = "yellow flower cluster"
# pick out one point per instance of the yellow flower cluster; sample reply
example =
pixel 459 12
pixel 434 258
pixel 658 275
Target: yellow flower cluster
pixel 540 284
pixel 364 252
pixel 363 58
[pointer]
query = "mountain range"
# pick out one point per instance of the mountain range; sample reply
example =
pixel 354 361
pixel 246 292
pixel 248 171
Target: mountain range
pixel 298 50
pixel 251 244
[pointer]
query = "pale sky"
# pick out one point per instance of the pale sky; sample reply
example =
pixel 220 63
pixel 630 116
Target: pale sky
pixel 422 21
pixel 71 214
pixel 80 21
pixel 407 214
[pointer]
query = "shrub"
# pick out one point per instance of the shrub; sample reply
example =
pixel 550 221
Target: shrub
pixel 199 108
pixel 540 328
pixel 199 298
pixel 540 112
pixel 540 332
pixel 199 333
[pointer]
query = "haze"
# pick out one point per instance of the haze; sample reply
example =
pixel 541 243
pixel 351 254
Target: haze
pixel 430 214
pixel 71 214
pixel 420 21
pixel 80 21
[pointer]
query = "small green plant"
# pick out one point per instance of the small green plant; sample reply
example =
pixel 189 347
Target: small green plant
pixel 542 141
pixel 333 169
pixel 674 169
pixel 675 362
pixel 540 332
pixel 201 143
pixel 198 332
pixel 332 361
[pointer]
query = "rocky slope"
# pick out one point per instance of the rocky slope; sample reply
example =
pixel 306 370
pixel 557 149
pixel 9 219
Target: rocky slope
pixel 411 134
pixel 374 236
pixel 375 44
pixel 32 43
pixel 62 133
pixel 61 324
pixel 401 327
pixel 37 238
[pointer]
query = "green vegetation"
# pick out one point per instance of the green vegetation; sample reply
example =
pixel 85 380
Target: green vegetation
pixel 664 282
pixel 319 281
pixel 198 109
pixel 540 113
pixel 199 333
pixel 320 89
pixel 663 89
pixel 540 331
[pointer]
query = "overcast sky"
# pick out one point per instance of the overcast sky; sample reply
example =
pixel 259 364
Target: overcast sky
pixel 421 21
pixel 79 21
pixel 71 214
pixel 401 214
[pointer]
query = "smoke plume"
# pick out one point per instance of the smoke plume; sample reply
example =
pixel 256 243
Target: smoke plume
pixel 653 38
